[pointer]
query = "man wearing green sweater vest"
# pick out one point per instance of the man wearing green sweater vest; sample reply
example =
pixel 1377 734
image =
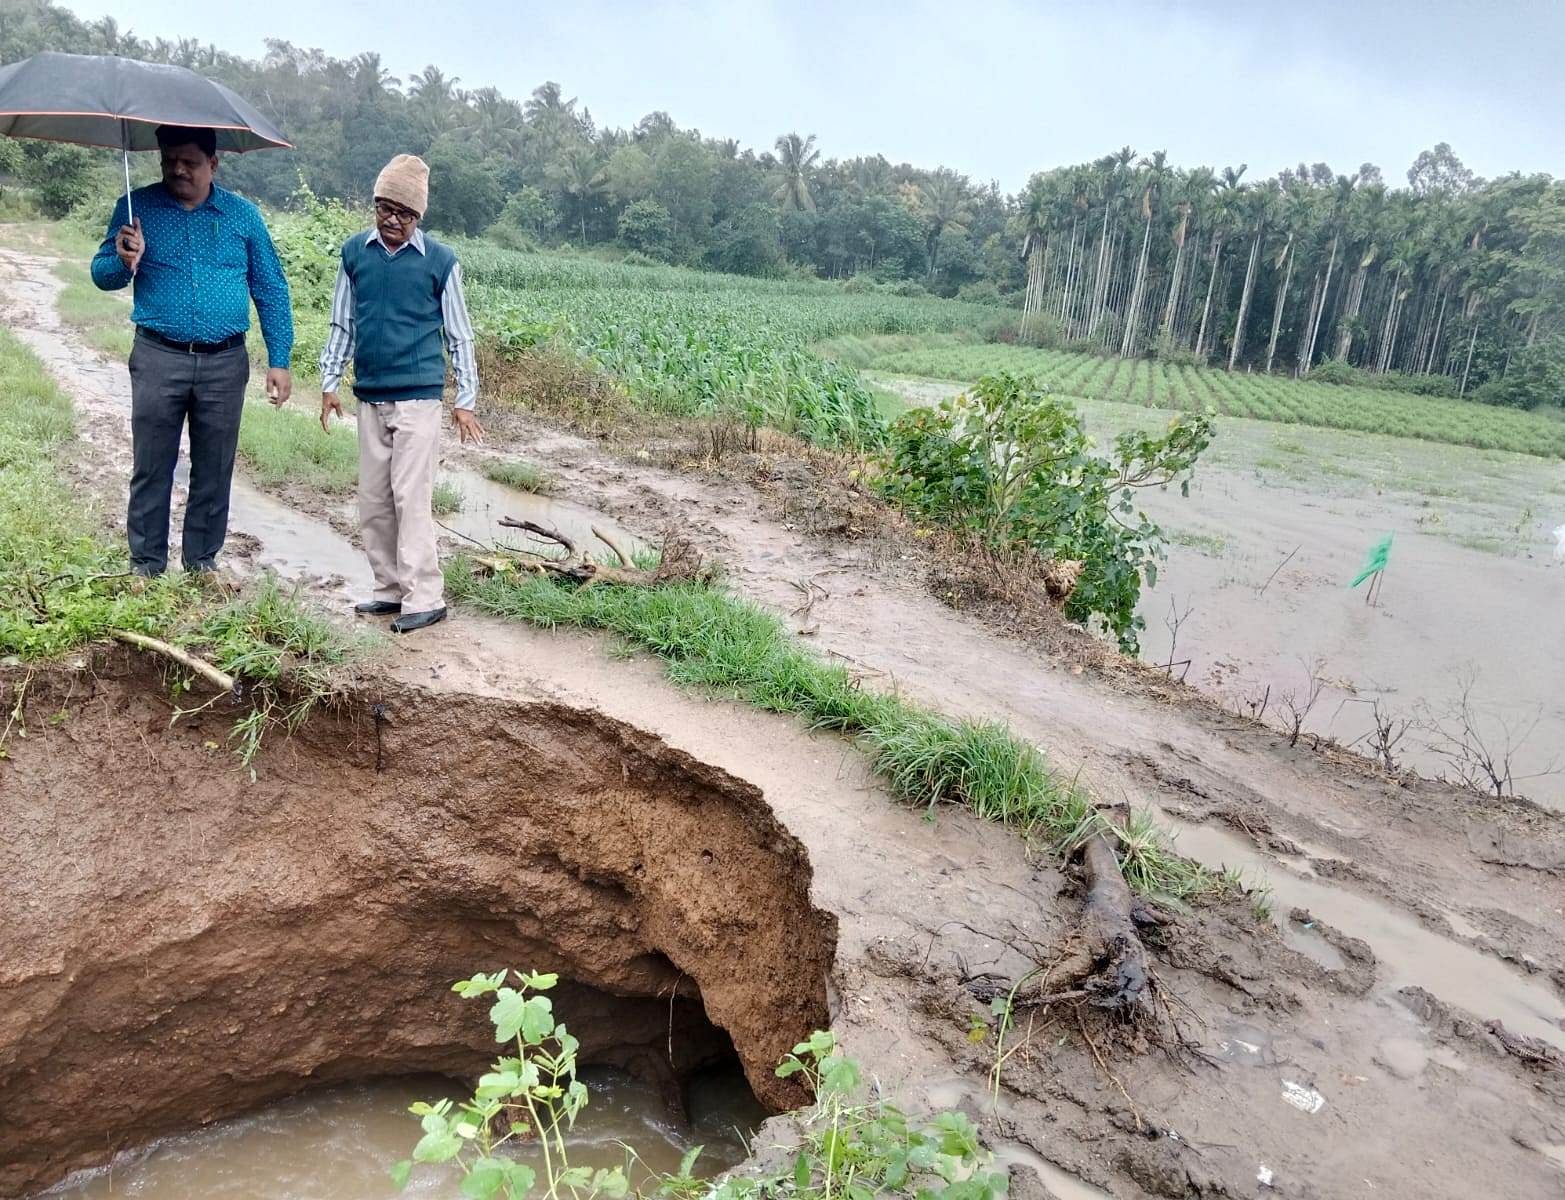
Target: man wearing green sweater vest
pixel 398 297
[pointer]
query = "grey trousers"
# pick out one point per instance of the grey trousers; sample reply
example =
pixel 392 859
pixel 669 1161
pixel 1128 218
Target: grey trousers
pixel 170 388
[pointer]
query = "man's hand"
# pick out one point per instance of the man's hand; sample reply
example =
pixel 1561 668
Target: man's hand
pixel 279 385
pixel 128 244
pixel 329 404
pixel 467 427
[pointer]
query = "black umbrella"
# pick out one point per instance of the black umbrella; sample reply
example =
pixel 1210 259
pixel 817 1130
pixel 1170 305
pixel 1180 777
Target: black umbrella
pixel 118 103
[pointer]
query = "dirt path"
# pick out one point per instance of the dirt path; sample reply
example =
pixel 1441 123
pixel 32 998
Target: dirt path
pixel 1330 1065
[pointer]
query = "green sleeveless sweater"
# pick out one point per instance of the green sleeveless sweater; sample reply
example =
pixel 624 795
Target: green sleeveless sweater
pixel 398 352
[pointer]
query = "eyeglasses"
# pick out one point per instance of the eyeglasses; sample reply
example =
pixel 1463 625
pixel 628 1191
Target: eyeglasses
pixel 395 212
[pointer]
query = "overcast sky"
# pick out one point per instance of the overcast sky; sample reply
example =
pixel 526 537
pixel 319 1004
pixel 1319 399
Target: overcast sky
pixel 995 89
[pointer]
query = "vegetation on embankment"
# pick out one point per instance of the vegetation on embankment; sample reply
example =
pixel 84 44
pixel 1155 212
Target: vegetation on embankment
pixel 63 584
pixel 1350 406
pixel 715 641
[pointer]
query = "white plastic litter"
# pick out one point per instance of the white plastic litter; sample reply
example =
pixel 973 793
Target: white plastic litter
pixel 1264 1176
pixel 1559 542
pixel 1305 1099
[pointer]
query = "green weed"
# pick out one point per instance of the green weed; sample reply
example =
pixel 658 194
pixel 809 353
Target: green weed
pixel 447 498
pixel 852 1146
pixel 524 476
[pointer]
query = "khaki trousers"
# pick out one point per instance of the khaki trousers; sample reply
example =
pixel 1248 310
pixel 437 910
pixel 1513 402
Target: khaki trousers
pixel 399 446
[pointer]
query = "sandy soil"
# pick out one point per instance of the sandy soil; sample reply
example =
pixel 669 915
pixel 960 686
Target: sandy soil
pixel 1279 519
pixel 1344 1049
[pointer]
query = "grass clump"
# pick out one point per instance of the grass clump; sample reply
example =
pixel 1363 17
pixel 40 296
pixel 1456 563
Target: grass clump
pixel 288 445
pixel 64 586
pixel 103 317
pixel 447 498
pixel 292 659
pixel 719 642
pixel 523 476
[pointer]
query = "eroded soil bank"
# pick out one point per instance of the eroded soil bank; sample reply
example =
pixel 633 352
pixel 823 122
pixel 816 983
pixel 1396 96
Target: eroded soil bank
pixel 184 943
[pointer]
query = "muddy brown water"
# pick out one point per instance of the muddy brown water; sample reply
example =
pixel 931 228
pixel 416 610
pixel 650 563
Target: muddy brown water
pixel 340 1143
pixel 1279 519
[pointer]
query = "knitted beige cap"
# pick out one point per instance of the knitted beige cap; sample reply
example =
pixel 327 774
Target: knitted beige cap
pixel 405 181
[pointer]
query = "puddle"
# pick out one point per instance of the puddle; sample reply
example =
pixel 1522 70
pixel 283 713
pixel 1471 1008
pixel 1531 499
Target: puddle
pixel 484 502
pixel 1407 953
pixel 1247 1046
pixel 1062 1185
pixel 1308 941
pixel 340 1143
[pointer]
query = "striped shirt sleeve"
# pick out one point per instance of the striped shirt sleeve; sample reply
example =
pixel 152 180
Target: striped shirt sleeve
pixel 339 340
pixel 459 339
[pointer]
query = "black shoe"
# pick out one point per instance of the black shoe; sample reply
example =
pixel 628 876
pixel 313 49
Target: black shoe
pixel 419 620
pixel 377 608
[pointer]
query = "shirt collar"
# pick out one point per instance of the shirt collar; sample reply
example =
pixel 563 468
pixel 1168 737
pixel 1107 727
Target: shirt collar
pixel 416 241
pixel 217 198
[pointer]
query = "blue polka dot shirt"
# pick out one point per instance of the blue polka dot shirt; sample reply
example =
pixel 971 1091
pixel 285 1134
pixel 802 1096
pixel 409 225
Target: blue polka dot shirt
pixel 200 270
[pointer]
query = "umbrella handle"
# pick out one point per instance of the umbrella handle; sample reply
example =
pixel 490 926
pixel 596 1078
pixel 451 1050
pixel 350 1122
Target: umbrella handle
pixel 130 215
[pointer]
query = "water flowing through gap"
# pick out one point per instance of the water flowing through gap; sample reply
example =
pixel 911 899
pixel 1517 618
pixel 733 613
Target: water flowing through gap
pixel 340 1142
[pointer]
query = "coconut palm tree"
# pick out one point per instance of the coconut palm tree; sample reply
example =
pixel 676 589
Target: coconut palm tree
pixel 943 201
pixel 797 157
pixel 1034 213
pixel 1194 192
pixel 579 173
pixel 500 120
pixel 1224 211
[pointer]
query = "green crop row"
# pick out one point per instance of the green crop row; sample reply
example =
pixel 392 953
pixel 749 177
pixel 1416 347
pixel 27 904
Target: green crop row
pixel 692 341
pixel 1263 397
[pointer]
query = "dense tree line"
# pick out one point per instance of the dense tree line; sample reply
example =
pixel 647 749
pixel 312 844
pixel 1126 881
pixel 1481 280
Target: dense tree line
pixel 541 170
pixel 1452 276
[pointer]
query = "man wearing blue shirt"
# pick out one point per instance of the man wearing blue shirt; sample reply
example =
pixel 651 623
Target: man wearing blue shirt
pixel 198 254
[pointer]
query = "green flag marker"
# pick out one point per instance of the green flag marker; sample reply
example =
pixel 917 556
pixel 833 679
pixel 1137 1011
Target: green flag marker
pixel 1375 561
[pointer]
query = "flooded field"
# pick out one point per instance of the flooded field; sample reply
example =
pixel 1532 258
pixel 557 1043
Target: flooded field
pixel 1253 604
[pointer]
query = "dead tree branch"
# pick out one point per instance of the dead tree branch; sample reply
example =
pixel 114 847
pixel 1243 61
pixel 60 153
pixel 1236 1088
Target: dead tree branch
pixel 679 560
pixel 1106 964
pixel 1296 707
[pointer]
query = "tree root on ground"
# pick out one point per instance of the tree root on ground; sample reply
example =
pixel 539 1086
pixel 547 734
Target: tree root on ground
pixel 678 561
pixel 219 679
pixel 1106 963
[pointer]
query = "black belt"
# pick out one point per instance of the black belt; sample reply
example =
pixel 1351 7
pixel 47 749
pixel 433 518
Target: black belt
pixel 191 347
